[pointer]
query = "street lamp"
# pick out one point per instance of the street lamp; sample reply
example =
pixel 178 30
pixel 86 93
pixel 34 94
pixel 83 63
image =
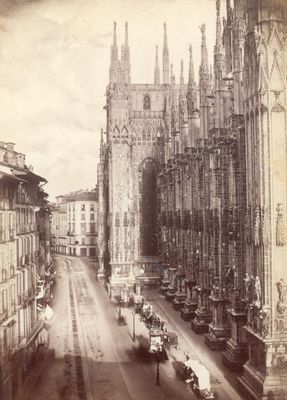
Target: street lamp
pixel 158 359
pixel 134 332
pixel 120 303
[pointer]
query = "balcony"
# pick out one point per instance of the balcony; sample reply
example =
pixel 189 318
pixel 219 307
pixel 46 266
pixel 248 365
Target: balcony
pixel 26 228
pixel 12 234
pixel 70 233
pixel 3 316
pixel 2 235
pixel 32 334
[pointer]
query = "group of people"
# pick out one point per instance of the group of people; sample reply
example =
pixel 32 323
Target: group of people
pixel 150 317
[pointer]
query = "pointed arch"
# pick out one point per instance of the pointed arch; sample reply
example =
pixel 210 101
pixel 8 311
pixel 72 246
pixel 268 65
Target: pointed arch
pixel 116 131
pixel 124 130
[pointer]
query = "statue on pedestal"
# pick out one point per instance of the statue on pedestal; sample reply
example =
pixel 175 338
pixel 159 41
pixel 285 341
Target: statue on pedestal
pixel 247 284
pixel 265 320
pixel 257 292
pixel 281 306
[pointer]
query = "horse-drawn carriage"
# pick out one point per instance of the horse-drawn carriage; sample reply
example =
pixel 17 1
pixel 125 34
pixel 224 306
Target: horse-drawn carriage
pixel 197 375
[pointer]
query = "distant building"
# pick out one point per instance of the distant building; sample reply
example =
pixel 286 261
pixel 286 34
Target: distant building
pixel 24 257
pixel 74 224
pixel 59 226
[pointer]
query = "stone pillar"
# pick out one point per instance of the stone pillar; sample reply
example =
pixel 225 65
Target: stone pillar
pixel 219 329
pixel 265 373
pixel 190 304
pixel 236 353
pixel 202 316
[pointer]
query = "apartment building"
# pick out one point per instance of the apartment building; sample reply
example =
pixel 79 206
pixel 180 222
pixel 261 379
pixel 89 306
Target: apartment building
pixel 82 211
pixel 59 226
pixel 21 198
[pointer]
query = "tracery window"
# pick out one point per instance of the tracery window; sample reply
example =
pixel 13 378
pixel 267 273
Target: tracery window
pixel 146 102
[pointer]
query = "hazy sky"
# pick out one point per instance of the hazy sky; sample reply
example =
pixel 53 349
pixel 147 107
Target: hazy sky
pixel 54 66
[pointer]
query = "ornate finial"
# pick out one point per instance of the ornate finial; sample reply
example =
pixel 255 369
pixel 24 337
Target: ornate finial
pixel 115 33
pixel 280 226
pixel 156 68
pixel 202 28
pixel 165 57
pixel 181 73
pixel 165 37
pixel 126 34
pixel 217 7
pixel 191 69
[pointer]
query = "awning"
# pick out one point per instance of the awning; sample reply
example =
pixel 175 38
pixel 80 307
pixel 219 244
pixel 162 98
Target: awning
pixel 9 176
pixel 48 313
pixel 27 174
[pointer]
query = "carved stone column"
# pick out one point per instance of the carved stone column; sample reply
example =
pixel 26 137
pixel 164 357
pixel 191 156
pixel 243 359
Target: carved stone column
pixel 265 373
pixel 190 304
pixel 236 353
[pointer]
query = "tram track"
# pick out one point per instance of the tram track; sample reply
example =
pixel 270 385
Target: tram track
pixel 80 381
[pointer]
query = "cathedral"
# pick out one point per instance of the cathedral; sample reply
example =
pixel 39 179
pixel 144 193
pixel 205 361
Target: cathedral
pixel 193 189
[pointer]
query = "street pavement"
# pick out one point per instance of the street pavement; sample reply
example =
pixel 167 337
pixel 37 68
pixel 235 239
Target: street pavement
pixel 92 357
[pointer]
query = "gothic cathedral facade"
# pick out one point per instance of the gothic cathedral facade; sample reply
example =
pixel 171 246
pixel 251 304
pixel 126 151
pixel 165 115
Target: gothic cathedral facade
pixel 193 189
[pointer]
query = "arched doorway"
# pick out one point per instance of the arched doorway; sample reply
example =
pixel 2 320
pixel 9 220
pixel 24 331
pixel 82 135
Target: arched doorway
pixel 148 208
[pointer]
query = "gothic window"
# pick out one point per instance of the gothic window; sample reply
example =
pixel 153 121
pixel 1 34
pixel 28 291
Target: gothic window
pixel 146 102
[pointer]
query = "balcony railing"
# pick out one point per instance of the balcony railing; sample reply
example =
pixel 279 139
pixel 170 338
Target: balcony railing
pixel 12 234
pixel 3 316
pixel 34 331
pixel 25 228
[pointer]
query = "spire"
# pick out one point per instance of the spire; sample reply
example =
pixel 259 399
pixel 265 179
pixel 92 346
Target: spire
pixel 181 73
pixel 115 35
pixel 114 66
pixel 102 137
pixel 123 63
pixel 172 76
pixel 165 46
pixel 165 58
pixel 204 56
pixel 191 67
pixel 126 35
pixel 125 58
pixel 191 92
pixel 218 23
pixel 228 8
pixel 156 68
pixel 204 86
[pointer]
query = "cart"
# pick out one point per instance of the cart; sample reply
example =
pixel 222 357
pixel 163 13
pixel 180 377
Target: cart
pixel 156 340
pixel 199 379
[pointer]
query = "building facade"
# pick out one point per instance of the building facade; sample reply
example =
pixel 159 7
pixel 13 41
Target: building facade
pixel 196 177
pixel 59 226
pixel 74 221
pixel 139 118
pixel 23 261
